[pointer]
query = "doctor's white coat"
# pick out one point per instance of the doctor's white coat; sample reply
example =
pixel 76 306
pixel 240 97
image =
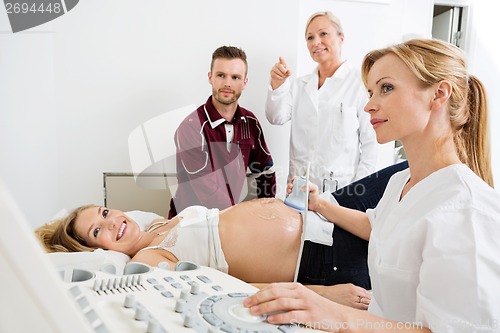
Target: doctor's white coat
pixel 328 126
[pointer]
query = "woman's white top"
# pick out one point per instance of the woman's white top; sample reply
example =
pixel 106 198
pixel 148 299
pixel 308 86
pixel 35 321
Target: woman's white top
pixel 196 238
pixel 434 256
pixel 328 125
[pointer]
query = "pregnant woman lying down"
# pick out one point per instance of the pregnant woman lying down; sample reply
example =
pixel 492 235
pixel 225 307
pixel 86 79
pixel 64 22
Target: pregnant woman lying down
pixel 256 241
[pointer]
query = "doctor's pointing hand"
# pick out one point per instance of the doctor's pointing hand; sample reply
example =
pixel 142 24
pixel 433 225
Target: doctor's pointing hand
pixel 279 73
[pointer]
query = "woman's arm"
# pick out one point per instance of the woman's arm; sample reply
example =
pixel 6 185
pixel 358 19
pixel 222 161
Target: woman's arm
pixel 345 293
pixel 351 220
pixel 279 102
pixel 293 303
pixel 354 199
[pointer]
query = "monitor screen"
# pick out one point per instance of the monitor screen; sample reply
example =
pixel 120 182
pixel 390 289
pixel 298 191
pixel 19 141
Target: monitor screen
pixel 33 296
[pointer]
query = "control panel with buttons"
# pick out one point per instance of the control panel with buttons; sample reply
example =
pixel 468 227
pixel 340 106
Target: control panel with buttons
pixel 147 299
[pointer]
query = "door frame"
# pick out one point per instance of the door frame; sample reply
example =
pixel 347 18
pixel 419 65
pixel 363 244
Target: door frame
pixel 465 24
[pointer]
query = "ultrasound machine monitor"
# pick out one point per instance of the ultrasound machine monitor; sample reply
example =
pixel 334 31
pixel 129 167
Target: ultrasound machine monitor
pixel 33 298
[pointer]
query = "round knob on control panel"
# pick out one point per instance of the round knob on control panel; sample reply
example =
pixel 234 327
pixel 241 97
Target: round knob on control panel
pixel 189 320
pixel 184 294
pixel 180 305
pixel 195 288
pixel 141 313
pixel 240 312
pixel 129 301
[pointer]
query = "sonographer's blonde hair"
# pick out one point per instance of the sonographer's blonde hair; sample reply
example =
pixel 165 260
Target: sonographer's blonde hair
pixel 60 235
pixel 432 61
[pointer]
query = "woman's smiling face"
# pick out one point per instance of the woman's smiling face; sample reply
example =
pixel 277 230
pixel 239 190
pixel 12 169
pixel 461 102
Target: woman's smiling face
pixel 323 39
pixel 108 229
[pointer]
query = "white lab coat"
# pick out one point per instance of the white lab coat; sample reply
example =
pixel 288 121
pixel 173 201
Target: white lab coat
pixel 329 127
pixel 434 256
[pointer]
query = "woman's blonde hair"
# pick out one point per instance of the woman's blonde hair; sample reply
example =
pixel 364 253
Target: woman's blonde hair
pixel 433 61
pixel 60 235
pixel 334 19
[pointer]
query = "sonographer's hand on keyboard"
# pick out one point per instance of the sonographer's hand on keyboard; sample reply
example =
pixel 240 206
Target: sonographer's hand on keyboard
pixel 294 303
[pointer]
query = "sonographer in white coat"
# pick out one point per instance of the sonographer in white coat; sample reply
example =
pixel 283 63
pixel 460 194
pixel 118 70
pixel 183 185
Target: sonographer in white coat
pixel 446 278
pixel 328 125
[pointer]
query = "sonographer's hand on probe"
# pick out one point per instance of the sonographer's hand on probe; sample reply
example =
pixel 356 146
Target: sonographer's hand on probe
pixel 289 186
pixel 279 73
pixel 314 196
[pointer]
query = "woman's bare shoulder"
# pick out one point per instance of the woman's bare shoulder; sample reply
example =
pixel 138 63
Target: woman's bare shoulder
pixel 153 257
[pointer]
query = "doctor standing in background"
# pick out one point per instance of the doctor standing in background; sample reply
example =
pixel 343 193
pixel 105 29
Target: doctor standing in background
pixel 329 127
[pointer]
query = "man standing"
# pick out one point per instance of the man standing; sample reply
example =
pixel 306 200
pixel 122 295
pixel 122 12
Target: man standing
pixel 218 142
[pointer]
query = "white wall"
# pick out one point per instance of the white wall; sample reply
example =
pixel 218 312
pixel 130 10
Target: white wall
pixel 28 121
pixel 74 89
pixel 117 64
pixel 485 64
pixel 133 63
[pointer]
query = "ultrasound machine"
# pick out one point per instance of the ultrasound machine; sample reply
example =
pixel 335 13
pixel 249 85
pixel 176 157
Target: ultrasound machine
pixel 36 297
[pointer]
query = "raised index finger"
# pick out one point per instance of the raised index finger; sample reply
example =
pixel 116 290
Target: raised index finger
pixel 282 62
